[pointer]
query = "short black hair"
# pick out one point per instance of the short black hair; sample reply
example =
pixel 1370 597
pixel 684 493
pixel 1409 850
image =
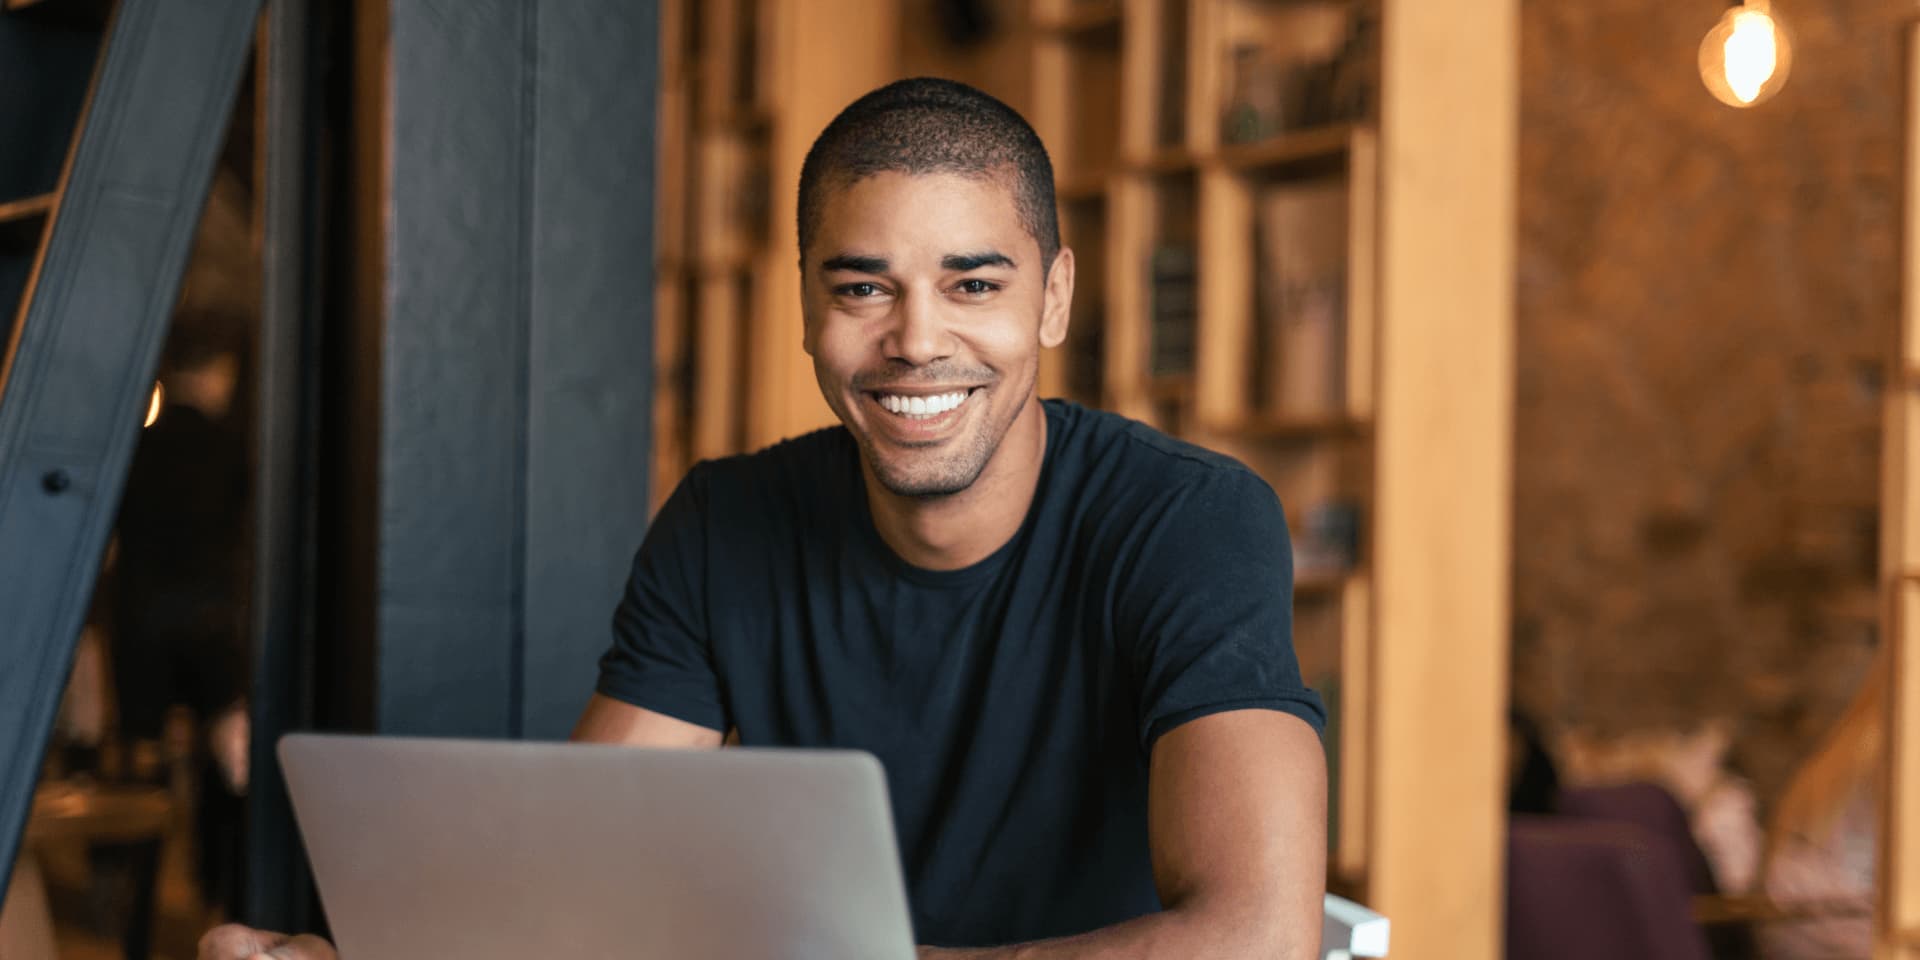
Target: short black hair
pixel 931 125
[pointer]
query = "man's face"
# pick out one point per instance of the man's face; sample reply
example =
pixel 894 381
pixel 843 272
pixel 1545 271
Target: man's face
pixel 927 307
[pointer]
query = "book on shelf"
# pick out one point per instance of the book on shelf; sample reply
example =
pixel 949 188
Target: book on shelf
pixel 1086 351
pixel 1175 308
pixel 1292 67
pixel 1302 285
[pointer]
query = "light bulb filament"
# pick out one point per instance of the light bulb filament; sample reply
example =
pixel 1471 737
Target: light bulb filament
pixel 1751 54
pixel 154 404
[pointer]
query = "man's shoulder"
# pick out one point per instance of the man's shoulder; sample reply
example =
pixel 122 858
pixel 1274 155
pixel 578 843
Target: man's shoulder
pixel 1132 460
pixel 785 475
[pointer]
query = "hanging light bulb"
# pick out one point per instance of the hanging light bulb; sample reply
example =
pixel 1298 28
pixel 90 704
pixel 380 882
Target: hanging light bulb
pixel 1745 57
pixel 153 405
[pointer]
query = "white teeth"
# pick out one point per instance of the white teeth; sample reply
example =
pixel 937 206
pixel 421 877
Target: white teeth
pixel 920 408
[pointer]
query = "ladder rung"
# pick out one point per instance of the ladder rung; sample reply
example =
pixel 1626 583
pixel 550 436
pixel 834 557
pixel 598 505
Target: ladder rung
pixel 29 208
pixel 21 221
pixel 89 14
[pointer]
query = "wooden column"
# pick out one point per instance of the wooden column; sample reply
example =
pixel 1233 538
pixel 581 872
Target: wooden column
pixel 1447 169
pixel 820 56
pixel 1899 904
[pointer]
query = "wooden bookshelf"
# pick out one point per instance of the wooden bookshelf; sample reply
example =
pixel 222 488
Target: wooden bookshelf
pixel 1210 146
pixel 1179 326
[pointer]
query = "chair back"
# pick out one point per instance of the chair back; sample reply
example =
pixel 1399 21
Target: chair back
pixel 1349 930
pixel 1596 890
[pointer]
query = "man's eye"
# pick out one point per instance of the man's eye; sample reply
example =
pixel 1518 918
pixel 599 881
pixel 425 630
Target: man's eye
pixel 859 290
pixel 978 288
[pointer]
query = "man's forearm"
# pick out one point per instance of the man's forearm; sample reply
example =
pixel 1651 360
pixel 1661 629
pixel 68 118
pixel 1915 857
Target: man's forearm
pixel 1170 933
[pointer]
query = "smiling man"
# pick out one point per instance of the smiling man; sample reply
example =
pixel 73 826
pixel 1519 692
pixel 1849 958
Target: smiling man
pixel 1066 636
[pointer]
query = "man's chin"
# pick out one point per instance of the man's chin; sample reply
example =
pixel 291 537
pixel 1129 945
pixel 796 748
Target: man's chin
pixel 919 474
pixel 918 486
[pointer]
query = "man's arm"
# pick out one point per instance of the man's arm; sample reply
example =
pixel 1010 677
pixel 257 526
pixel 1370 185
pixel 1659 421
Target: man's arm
pixel 607 720
pixel 1237 808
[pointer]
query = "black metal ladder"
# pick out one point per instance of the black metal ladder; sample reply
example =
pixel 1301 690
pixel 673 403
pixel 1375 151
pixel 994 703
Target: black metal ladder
pixel 110 123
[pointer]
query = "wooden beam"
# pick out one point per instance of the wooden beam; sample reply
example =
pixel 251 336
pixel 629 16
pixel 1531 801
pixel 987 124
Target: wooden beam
pixel 1448 171
pixel 1224 337
pixel 1899 888
pixel 1130 230
pixel 1349 855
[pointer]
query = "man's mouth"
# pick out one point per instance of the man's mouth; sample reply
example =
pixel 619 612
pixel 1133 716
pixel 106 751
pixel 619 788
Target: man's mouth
pixel 922 406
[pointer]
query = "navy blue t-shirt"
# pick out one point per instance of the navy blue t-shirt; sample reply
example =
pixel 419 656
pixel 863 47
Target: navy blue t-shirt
pixel 1014 702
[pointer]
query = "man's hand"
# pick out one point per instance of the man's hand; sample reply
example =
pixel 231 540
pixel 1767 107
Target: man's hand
pixel 235 942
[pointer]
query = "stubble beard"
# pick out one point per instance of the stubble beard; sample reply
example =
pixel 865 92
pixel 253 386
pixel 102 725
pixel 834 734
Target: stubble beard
pixel 931 477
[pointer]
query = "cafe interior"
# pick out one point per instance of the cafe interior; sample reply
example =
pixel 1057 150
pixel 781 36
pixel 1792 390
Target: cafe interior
pixel 350 346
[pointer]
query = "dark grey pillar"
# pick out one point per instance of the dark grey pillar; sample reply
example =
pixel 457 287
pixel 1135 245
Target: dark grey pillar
pixel 515 357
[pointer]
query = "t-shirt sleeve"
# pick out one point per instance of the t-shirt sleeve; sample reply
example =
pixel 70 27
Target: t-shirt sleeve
pixel 1206 608
pixel 660 659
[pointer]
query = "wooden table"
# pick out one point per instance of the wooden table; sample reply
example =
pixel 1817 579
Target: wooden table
pixel 98 813
pixel 72 811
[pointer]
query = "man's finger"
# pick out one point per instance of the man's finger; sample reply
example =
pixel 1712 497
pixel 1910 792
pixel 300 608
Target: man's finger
pixel 232 941
pixel 303 947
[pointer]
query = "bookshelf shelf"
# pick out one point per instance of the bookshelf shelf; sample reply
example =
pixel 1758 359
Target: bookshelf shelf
pixel 741 121
pixel 1321 585
pixel 1082 17
pixel 1082 186
pixel 1170 388
pixel 1289 149
pixel 1288 428
pixel 1169 160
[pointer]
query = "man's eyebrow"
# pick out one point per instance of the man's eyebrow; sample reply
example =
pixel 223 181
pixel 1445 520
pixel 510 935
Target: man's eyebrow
pixel 854 263
pixel 974 261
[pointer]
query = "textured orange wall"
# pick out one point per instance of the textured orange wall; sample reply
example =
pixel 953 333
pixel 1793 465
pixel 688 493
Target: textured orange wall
pixel 1705 299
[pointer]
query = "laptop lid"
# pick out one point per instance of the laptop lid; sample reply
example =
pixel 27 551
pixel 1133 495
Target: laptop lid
pixel 496 849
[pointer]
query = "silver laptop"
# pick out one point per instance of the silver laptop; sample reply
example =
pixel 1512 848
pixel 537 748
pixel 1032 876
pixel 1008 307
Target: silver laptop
pixel 482 850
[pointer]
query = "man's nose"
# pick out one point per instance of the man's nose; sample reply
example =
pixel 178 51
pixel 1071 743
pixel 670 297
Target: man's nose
pixel 919 334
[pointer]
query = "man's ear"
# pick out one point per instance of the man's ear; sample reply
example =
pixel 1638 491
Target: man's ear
pixel 1056 306
pixel 807 326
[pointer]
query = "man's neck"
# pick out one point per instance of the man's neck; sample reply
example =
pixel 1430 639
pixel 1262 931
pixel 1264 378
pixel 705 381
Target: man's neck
pixel 952 532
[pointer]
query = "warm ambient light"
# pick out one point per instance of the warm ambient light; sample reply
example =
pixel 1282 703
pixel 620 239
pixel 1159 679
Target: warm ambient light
pixel 153 405
pixel 1745 57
